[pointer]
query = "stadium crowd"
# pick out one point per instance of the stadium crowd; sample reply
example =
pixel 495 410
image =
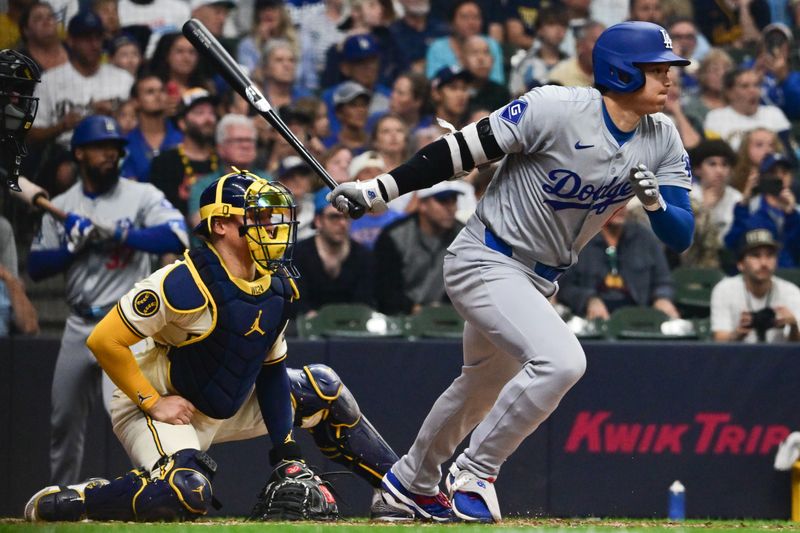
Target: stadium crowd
pixel 365 83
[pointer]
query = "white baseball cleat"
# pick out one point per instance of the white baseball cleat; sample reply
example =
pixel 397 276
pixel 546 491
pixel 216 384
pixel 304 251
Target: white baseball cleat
pixel 60 503
pixel 473 498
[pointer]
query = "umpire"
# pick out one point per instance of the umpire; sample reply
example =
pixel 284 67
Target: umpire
pixel 103 247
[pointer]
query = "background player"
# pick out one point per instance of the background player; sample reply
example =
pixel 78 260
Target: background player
pixel 18 77
pixel 570 158
pixel 212 370
pixel 103 247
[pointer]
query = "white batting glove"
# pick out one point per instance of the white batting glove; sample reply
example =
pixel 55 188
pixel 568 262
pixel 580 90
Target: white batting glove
pixel 645 187
pixel 364 193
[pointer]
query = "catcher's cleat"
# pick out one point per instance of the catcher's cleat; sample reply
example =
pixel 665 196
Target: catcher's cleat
pixel 60 503
pixel 386 508
pixel 474 499
pixel 436 508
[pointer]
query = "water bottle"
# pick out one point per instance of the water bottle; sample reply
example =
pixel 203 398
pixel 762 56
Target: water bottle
pixel 677 501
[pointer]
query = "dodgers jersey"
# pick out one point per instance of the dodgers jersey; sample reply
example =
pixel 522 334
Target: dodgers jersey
pixel 100 274
pixel 564 173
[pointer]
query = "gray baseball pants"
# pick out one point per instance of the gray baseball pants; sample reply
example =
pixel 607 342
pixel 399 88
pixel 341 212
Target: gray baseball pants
pixel 78 383
pixel 520 359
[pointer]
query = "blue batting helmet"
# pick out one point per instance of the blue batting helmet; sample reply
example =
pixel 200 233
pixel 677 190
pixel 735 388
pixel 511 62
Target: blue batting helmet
pixel 269 215
pixel 95 129
pixel 622 47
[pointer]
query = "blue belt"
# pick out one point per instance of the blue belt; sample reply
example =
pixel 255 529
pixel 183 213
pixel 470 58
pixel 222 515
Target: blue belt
pixel 92 312
pixel 550 273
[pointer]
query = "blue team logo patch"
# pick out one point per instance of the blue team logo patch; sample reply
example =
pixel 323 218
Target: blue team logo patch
pixel 514 111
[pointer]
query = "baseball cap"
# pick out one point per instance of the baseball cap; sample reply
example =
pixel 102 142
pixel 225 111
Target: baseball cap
pixel 194 4
pixel 348 91
pixel 291 164
pixel 359 47
pixel 779 27
pixel 320 203
pixel 770 161
pixel 369 159
pixel 449 74
pixel 83 23
pixel 440 191
pixel 756 238
pixel 192 97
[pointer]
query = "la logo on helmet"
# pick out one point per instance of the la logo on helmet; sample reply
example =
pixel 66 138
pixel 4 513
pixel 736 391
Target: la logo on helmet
pixel 667 40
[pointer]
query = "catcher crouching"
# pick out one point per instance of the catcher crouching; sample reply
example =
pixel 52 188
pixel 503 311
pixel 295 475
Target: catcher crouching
pixel 213 370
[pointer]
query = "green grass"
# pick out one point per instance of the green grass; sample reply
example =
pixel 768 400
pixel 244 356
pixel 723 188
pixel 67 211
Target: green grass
pixel 360 526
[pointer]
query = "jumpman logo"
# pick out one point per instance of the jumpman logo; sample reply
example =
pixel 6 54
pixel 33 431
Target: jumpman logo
pixel 199 491
pixel 256 327
pixel 143 399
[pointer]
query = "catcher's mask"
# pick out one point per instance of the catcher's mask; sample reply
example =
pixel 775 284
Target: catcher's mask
pixel 269 213
pixel 18 78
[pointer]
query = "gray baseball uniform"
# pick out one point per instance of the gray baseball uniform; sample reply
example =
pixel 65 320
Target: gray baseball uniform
pixel 97 277
pixel 563 177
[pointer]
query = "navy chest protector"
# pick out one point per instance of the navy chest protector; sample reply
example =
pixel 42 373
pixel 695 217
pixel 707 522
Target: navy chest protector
pixel 217 372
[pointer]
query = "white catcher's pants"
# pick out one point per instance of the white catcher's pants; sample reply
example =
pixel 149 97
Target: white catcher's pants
pixel 520 359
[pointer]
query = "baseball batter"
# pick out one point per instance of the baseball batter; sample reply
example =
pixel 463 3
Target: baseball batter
pixel 104 247
pixel 570 158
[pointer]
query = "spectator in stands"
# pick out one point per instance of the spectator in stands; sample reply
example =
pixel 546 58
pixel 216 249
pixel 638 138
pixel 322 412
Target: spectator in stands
pixel 17 313
pixel 40 39
pixel 235 138
pixel 577 71
pixel 744 111
pixel 756 144
pixel 647 11
pixel 712 162
pixel 373 17
pixel 161 17
pixel 82 86
pixel 333 268
pixel 578 14
pixel 390 141
pixel 533 69
pixel 756 305
pixel 622 265
pixel 155 132
pixel 484 93
pixel 9 23
pixel 278 148
pixel 465 21
pixel 521 20
pixel 109 16
pixel 688 42
pixel 176 62
pixel 711 92
pixel 319 31
pixel 213 14
pixel 351 104
pixel 780 77
pixel 271 21
pixel 407 101
pixel 125 115
pixel 769 203
pixel 126 54
pixel 336 161
pixel 731 24
pixel 277 73
pixel 409 253
pixel 360 63
pixel 450 94
pixel 177 169
pixel 365 230
pixel 415 32
pixel 298 178
pixel 690 131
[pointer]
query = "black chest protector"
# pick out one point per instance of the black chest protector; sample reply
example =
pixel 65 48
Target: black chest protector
pixel 217 372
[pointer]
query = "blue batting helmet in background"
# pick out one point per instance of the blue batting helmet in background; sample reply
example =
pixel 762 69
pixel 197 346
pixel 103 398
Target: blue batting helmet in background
pixel 95 129
pixel 620 48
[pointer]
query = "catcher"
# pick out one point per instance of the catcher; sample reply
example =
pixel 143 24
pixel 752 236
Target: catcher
pixel 18 77
pixel 212 370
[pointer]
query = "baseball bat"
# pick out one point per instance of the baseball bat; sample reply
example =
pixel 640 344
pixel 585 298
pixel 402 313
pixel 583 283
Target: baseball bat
pixel 209 47
pixel 34 196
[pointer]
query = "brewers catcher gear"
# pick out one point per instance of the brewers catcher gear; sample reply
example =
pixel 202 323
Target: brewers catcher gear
pixel 622 47
pixel 294 492
pixel 18 77
pixel 269 213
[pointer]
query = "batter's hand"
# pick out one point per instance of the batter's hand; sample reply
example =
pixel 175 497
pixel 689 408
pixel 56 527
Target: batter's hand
pixel 367 194
pixel 173 409
pixel 645 187
pixel 79 232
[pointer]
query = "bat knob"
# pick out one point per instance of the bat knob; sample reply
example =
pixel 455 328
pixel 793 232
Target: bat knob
pixel 355 210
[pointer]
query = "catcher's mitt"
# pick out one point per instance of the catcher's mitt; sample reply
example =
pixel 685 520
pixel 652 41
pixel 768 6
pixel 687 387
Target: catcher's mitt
pixel 294 492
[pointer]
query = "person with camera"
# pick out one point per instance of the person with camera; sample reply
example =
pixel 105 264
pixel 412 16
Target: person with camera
pixel 756 306
pixel 768 202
